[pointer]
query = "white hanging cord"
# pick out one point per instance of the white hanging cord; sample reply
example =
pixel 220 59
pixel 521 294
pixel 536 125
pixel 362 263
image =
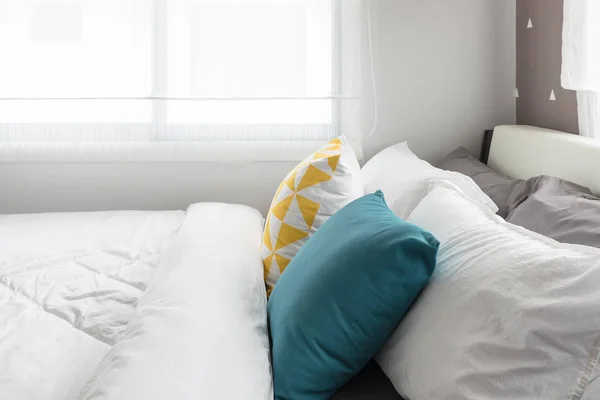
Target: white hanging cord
pixel 373 80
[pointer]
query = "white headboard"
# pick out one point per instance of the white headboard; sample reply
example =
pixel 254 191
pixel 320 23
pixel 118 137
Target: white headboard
pixel 525 151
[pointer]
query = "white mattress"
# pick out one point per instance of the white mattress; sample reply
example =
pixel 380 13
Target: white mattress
pixel 134 305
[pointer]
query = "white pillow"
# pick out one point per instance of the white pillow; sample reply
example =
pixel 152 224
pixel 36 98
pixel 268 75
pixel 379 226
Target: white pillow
pixel 508 314
pixel 404 179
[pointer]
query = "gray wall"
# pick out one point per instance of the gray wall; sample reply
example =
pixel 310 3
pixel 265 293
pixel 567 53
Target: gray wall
pixel 539 65
pixel 445 73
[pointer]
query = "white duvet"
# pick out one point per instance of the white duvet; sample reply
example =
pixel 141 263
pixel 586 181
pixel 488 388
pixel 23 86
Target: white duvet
pixel 133 305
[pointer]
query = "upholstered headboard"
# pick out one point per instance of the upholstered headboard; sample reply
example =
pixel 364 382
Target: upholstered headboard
pixel 526 151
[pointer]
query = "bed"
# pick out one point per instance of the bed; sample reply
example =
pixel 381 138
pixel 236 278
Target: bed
pixel 94 305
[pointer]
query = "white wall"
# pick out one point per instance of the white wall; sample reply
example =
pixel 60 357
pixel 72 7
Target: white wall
pixel 63 187
pixel 445 72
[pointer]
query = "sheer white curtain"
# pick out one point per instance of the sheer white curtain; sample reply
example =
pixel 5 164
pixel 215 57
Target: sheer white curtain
pixel 581 60
pixel 180 70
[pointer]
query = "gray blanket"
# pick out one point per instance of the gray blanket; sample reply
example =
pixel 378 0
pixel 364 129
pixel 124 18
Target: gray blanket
pixel 558 209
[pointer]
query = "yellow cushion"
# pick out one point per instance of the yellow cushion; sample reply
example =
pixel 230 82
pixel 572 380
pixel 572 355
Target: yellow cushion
pixel 312 192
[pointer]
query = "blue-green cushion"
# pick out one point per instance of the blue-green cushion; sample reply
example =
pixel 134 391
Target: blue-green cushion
pixel 342 296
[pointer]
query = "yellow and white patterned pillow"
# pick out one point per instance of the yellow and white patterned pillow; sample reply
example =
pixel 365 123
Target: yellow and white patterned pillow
pixel 312 192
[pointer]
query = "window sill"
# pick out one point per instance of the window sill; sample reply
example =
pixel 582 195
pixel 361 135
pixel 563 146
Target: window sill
pixel 156 152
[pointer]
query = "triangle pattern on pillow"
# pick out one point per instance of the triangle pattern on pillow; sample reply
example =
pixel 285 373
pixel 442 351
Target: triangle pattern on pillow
pixel 297 205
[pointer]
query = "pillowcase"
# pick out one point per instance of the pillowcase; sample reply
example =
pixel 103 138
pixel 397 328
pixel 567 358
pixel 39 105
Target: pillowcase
pixel 312 192
pixel 494 184
pixel 342 296
pixel 508 313
pixel 404 178
pixel 561 210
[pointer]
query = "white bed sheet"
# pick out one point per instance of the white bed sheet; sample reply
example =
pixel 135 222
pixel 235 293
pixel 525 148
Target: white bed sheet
pixel 69 284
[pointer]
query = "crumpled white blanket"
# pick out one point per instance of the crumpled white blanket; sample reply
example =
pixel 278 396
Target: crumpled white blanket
pixel 133 305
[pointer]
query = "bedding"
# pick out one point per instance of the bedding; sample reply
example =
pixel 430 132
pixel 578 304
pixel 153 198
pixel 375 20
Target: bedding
pixel 508 313
pixel 497 186
pixel 558 209
pixel 121 305
pixel 69 284
pixel 200 329
pixel 404 178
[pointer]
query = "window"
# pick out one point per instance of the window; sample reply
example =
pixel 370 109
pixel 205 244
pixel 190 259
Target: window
pixel 170 70
pixel 581 61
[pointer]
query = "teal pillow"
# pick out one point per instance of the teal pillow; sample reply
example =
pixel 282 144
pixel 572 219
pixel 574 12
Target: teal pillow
pixel 342 296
